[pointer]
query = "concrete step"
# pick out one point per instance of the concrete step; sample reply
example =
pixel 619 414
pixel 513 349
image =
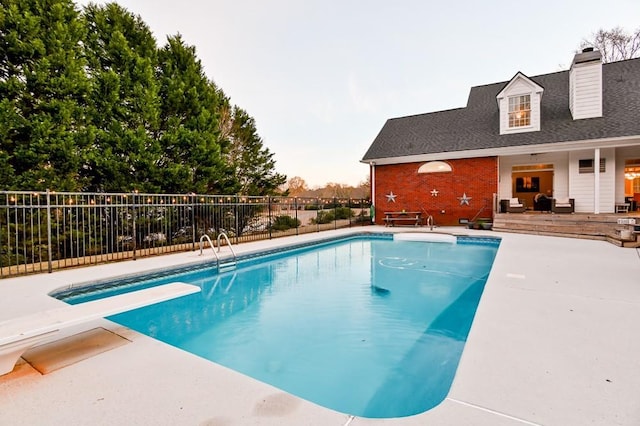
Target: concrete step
pixel 587 226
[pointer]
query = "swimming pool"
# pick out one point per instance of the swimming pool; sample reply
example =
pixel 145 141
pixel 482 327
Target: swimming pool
pixel 365 325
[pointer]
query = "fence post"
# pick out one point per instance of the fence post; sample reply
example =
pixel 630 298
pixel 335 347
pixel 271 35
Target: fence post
pixel 134 232
pixel 335 213
pixel 295 206
pixel 237 220
pixel 318 214
pixel 270 219
pixel 49 243
pixel 193 221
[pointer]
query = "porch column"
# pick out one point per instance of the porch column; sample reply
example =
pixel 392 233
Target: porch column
pixel 596 181
pixel 373 191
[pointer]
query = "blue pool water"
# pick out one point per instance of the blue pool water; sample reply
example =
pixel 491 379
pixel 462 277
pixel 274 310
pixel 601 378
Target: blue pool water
pixel 367 326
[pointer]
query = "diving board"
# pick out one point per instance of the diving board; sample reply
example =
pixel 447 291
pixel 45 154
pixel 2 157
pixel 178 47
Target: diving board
pixel 19 334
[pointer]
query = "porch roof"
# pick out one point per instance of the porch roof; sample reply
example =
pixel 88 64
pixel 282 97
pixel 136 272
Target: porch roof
pixel 476 126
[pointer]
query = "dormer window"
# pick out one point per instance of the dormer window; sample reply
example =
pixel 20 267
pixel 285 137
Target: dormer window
pixel 520 111
pixel 519 105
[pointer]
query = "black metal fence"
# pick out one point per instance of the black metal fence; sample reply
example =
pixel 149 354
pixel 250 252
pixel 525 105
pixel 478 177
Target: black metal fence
pixel 45 231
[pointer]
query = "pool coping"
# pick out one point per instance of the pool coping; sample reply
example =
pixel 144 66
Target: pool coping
pixel 549 345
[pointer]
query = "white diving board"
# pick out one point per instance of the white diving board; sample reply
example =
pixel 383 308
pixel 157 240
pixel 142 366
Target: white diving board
pixel 19 334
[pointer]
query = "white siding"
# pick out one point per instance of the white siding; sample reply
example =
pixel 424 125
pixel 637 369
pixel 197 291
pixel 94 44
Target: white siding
pixel 585 90
pixel 518 87
pixel 608 182
pixel 581 185
pixel 535 111
pixel 503 105
pixel 561 175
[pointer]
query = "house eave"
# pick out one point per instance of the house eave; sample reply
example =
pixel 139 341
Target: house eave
pixel 511 150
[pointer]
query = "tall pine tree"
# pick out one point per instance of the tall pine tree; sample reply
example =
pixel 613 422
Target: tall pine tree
pixel 43 88
pixel 124 103
pixel 89 102
pixel 191 159
pixel 252 163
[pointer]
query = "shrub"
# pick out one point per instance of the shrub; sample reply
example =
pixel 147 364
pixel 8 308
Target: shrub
pixel 343 213
pixel 284 222
pixel 323 217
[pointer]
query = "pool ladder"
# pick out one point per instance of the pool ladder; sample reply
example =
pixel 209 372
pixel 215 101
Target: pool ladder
pixel 430 222
pixel 230 264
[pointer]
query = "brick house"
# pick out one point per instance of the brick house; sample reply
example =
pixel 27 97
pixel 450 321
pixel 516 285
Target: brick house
pixel 517 139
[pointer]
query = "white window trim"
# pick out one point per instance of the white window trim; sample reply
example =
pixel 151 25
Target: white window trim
pixel 509 112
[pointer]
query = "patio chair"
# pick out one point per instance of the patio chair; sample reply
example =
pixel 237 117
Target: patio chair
pixel 562 205
pixel 513 205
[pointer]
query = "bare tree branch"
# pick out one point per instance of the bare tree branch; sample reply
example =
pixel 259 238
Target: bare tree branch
pixel 615 44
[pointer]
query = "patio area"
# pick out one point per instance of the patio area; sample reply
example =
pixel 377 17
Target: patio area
pixel 554 342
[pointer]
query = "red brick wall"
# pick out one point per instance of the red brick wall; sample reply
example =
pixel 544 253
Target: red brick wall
pixel 477 177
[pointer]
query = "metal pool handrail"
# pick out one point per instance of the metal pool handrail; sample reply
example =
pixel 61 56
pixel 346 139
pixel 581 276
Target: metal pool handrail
pixel 206 237
pixel 226 237
pixel 222 234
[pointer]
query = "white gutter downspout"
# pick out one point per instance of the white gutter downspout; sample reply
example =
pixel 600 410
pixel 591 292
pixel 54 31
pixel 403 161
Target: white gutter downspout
pixel 596 181
pixel 373 191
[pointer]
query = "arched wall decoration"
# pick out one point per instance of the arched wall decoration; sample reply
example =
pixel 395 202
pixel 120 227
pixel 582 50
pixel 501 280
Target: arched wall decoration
pixel 435 167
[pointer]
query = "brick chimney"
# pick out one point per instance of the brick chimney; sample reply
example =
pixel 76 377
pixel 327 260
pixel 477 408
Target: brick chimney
pixel 585 84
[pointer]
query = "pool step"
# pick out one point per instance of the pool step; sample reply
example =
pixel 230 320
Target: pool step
pixel 227 266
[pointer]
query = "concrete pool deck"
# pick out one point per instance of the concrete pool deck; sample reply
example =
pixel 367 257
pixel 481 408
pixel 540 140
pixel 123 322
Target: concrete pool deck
pixel 555 341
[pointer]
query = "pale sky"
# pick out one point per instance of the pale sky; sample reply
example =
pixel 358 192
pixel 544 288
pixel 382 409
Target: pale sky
pixel 321 77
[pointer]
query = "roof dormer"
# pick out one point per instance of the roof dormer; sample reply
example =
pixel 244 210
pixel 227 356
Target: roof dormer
pixel 519 105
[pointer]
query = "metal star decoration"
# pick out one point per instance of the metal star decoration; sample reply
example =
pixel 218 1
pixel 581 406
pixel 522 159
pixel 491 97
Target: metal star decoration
pixel 464 199
pixel 391 197
pixel 434 192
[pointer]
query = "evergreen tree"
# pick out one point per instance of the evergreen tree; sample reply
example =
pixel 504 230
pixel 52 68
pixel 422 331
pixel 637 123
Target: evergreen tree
pixel 124 103
pixel 43 88
pixel 89 102
pixel 191 159
pixel 252 163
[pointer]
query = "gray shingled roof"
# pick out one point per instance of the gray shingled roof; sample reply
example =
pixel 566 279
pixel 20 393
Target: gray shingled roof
pixel 477 127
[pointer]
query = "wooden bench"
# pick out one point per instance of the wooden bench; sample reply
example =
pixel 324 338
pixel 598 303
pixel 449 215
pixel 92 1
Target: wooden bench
pixel 411 218
pixel 19 334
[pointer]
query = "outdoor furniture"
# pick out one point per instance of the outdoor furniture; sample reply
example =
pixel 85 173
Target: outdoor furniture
pixel 541 203
pixel 19 334
pixel 408 218
pixel 622 207
pixel 562 205
pixel 513 205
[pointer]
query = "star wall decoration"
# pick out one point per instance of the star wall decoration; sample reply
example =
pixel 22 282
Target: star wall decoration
pixel 434 192
pixel 391 197
pixel 464 199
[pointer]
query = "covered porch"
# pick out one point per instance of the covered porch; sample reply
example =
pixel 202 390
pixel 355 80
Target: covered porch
pixel 603 178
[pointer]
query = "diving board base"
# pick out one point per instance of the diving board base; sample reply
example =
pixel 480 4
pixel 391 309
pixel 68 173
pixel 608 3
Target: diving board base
pixel 11 352
pixel 19 334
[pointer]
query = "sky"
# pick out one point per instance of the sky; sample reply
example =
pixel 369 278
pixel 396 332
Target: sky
pixel 321 77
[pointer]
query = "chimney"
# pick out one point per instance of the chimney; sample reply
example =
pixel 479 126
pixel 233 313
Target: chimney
pixel 585 84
